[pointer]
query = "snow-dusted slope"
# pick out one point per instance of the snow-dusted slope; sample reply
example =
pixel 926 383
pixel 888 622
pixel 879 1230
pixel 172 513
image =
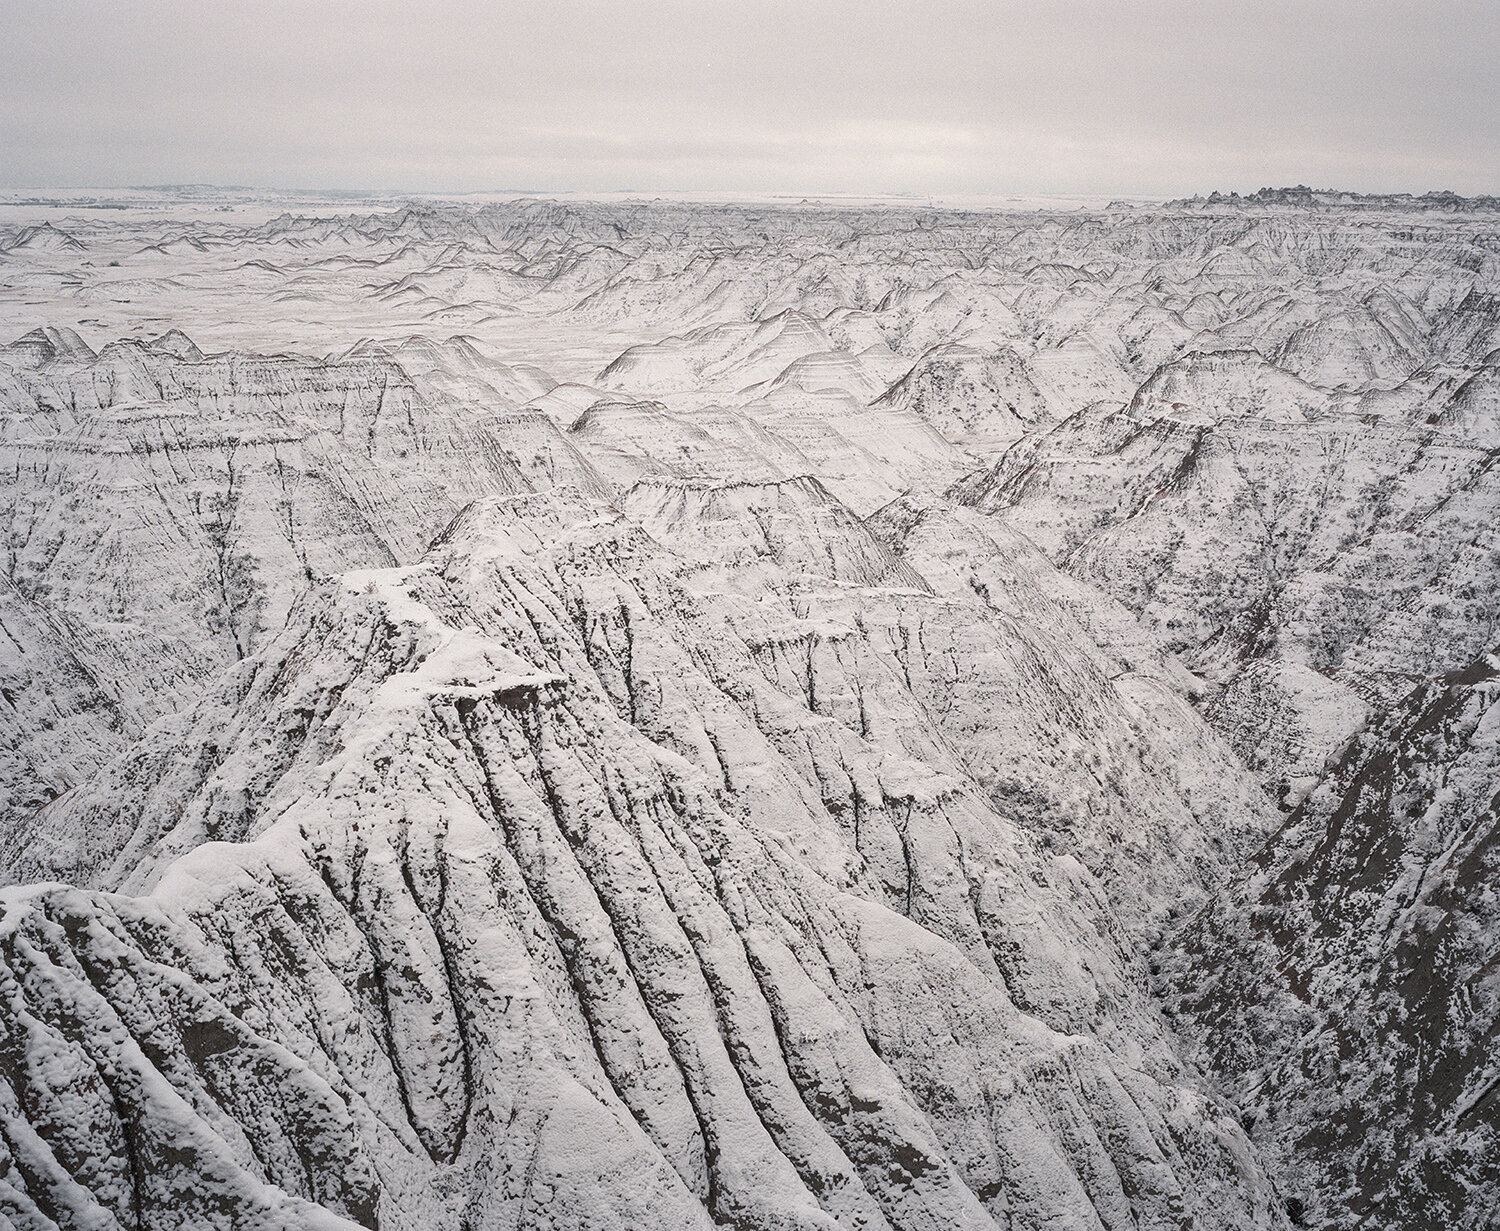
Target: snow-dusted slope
pixel 1313 554
pixel 163 510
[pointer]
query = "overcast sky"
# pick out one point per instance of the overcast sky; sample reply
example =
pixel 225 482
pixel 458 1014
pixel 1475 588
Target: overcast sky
pixel 1147 97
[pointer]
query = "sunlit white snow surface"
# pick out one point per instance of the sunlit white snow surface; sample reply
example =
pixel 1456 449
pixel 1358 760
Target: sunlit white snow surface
pixel 643 714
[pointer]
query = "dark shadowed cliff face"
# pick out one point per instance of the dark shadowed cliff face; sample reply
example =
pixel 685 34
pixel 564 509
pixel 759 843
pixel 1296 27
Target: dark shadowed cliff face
pixel 542 716
pixel 1346 989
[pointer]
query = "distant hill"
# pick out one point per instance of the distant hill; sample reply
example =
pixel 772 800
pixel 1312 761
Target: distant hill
pixel 1303 197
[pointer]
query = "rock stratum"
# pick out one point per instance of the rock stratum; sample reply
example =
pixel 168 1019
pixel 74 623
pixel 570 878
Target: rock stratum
pixel 625 715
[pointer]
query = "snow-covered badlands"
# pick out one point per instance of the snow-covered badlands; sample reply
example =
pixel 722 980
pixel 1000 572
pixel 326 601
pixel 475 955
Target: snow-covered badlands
pixel 656 714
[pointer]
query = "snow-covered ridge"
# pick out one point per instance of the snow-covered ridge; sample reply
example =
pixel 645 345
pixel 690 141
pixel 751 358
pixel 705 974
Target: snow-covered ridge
pixel 532 798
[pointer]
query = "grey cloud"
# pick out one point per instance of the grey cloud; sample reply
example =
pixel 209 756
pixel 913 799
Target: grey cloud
pixel 945 96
